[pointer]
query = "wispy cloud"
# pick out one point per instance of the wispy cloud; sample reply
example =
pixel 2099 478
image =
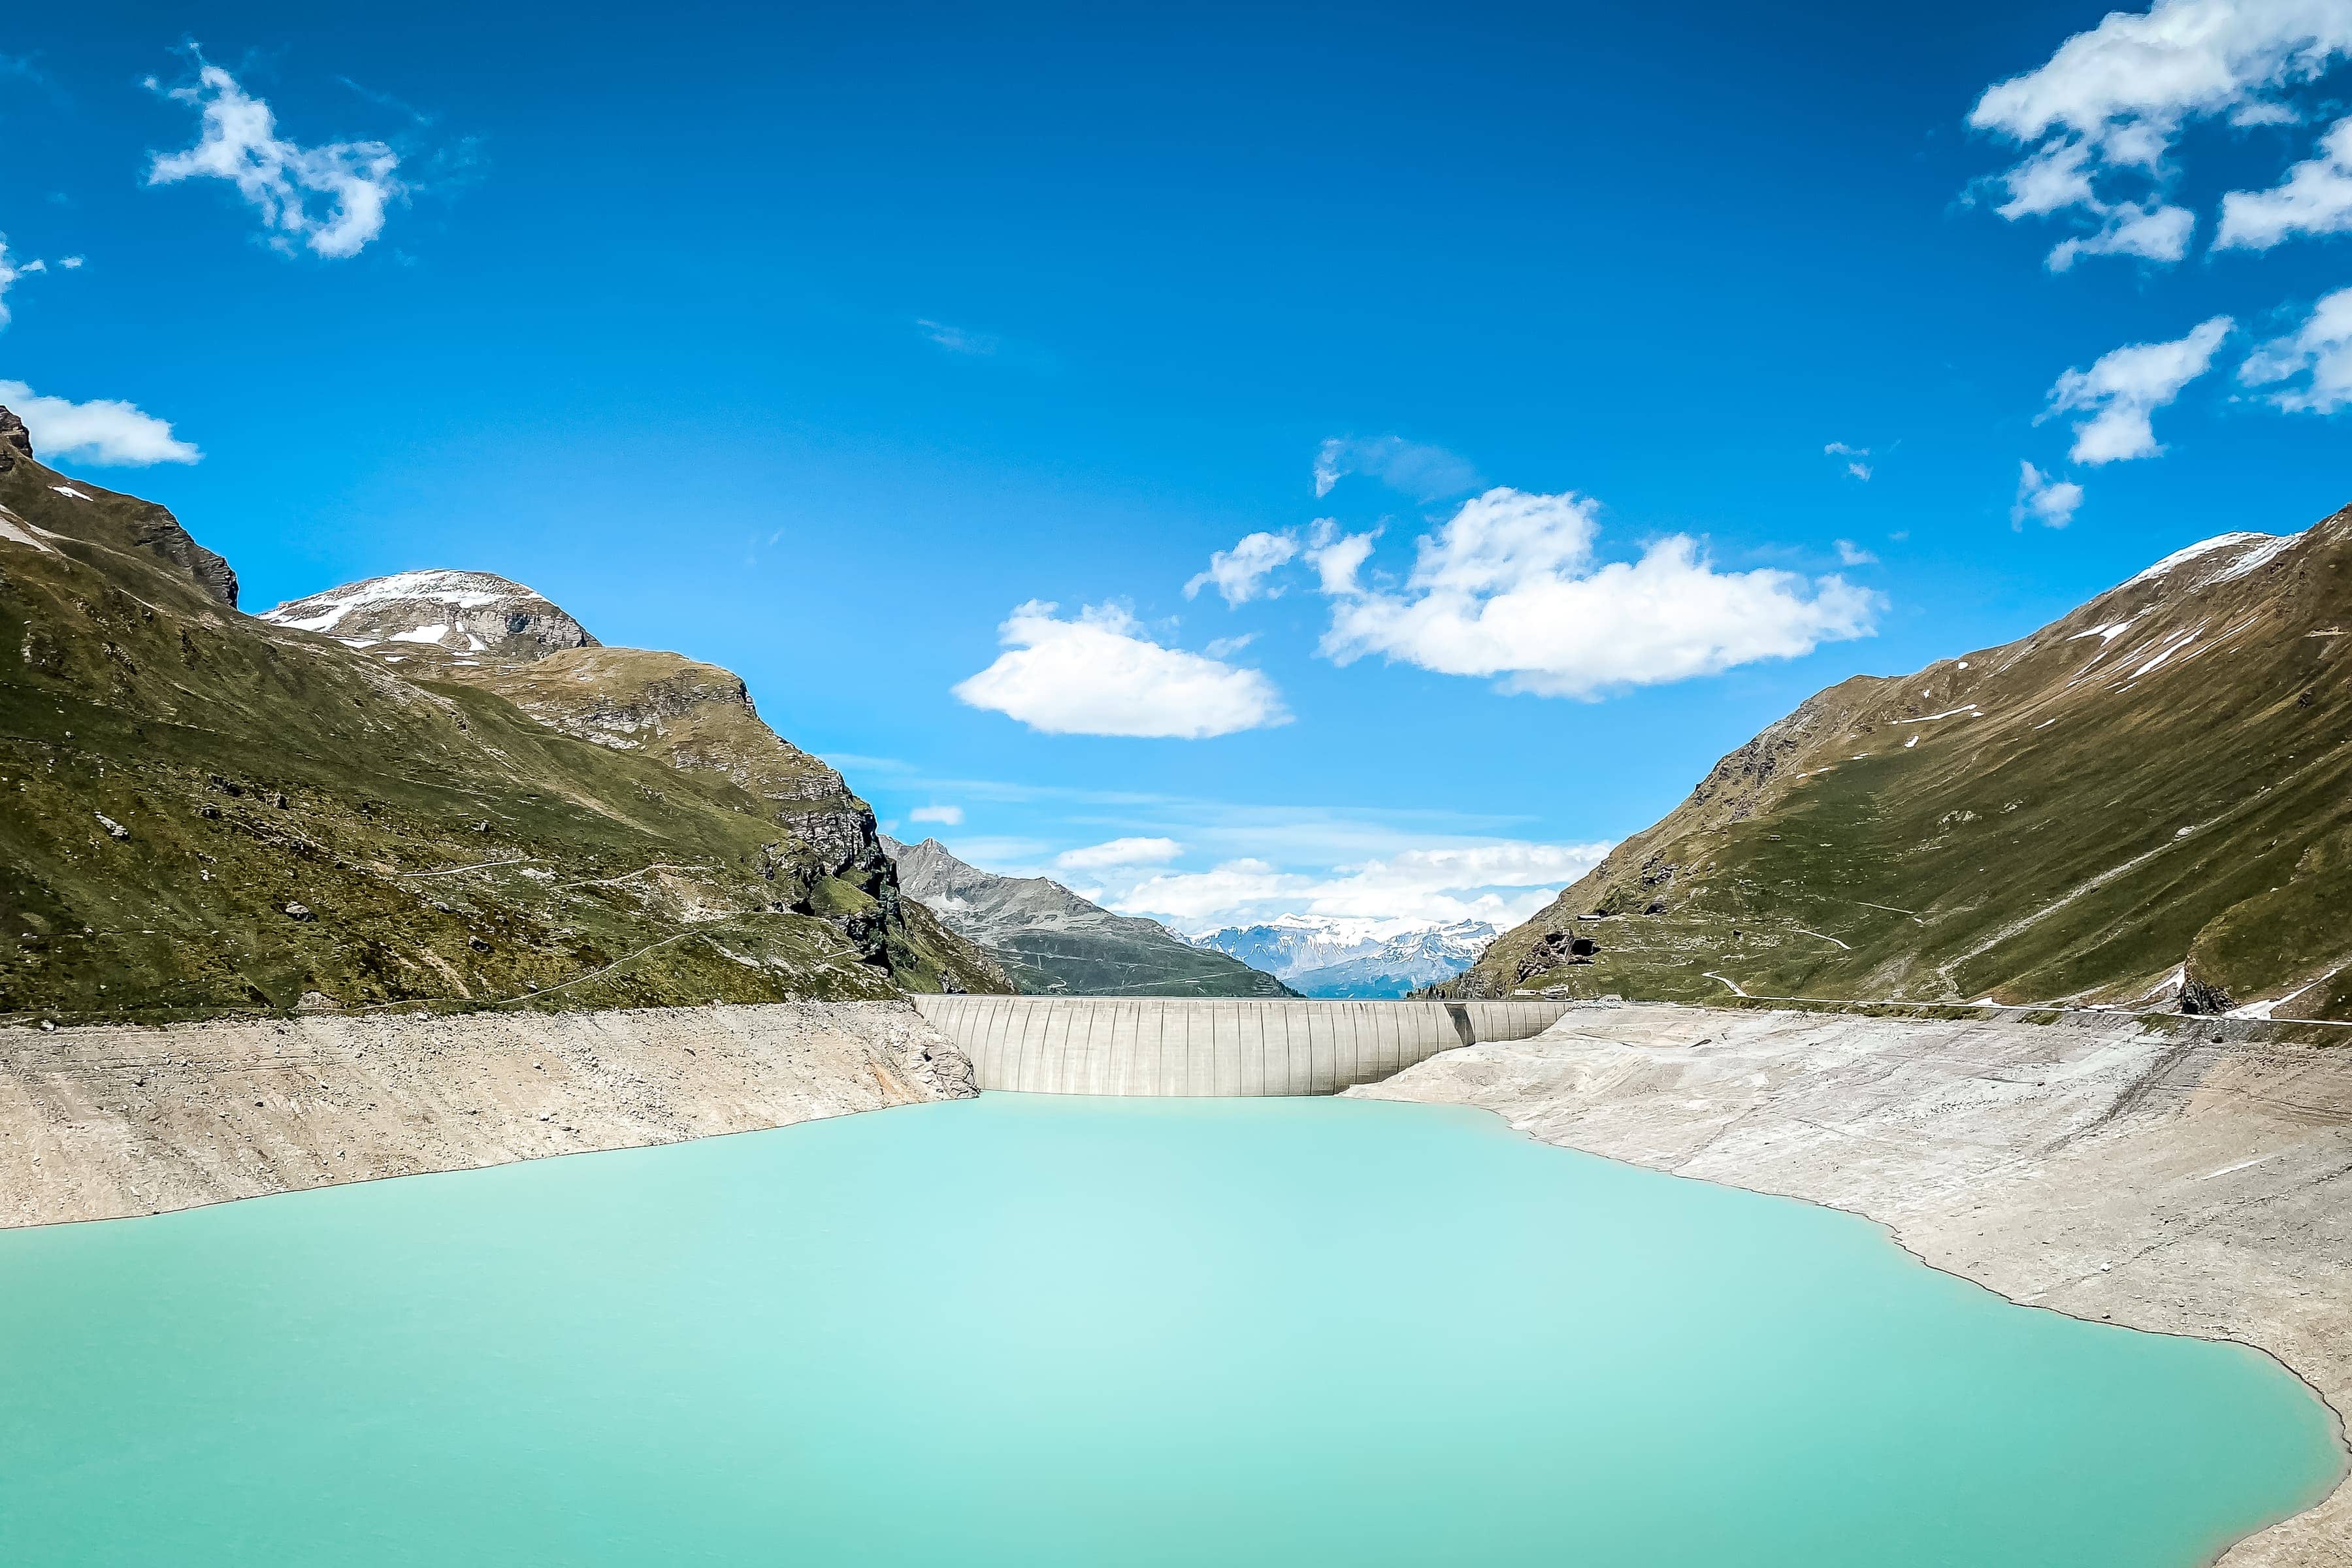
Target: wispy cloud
pixel 957 339
pixel 945 816
pixel 2125 387
pixel 1117 853
pixel 1240 574
pixel 1502 882
pixel 330 199
pixel 10 270
pixel 105 431
pixel 1852 554
pixel 1100 675
pixel 2311 367
pixel 2314 198
pixel 2044 499
pixel 1856 459
pixel 1423 472
pixel 1510 587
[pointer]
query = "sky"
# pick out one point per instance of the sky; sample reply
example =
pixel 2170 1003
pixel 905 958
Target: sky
pixel 1235 461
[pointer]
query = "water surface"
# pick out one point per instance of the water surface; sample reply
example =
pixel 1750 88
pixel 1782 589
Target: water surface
pixel 1080 1332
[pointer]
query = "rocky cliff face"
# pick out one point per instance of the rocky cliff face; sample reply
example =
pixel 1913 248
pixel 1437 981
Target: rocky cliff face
pixel 212 811
pixel 2148 802
pixel 100 516
pixel 1050 939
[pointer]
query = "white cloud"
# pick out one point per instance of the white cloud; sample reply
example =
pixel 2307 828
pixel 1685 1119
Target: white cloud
pixel 1855 463
pixel 2125 387
pixel 1424 473
pixel 2106 110
pixel 1852 554
pixel 2315 197
pixel 2046 499
pixel 9 272
pixel 1501 882
pixel 945 816
pixel 238 142
pixel 70 262
pixel 1240 573
pixel 2316 356
pixel 1337 557
pixel 1509 587
pixel 104 431
pixel 1098 675
pixel 1119 853
pixel 956 340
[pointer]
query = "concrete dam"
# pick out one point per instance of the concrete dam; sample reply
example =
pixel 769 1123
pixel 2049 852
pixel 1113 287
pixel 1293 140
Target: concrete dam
pixel 1206 1048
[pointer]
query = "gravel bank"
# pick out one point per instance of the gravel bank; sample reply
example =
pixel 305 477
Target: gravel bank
pixel 2194 1187
pixel 100 1123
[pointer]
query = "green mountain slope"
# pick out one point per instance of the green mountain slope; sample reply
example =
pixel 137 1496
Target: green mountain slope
pixel 1049 940
pixel 2148 802
pixel 208 812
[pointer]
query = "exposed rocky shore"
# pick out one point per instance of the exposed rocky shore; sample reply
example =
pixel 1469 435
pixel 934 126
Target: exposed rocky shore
pixel 109 1121
pixel 2195 1186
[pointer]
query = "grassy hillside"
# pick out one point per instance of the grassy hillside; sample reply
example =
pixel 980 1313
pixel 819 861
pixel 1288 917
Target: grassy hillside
pixel 2148 803
pixel 209 813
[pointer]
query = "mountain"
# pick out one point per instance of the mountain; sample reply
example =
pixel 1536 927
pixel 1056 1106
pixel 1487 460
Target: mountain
pixel 2147 803
pixel 1403 964
pixel 1050 939
pixel 453 611
pixel 213 812
pixel 1326 955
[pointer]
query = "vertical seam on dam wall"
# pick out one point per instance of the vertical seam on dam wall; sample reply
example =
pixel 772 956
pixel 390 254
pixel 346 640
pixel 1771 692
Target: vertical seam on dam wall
pixel 1212 1047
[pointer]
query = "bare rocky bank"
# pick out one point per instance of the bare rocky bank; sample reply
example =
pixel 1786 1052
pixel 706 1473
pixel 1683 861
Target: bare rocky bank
pixel 2194 1187
pixel 110 1120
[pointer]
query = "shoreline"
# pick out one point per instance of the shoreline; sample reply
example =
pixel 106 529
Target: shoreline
pixel 109 1122
pixel 2108 1155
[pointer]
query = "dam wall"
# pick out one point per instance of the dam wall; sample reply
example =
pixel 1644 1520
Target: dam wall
pixel 1212 1046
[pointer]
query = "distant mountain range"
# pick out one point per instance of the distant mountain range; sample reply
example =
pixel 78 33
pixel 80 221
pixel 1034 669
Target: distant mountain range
pixel 1324 955
pixel 430 787
pixel 1049 940
pixel 2146 803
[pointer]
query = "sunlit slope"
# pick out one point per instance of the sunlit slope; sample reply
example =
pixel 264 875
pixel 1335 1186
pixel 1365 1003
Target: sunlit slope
pixel 206 812
pixel 2148 802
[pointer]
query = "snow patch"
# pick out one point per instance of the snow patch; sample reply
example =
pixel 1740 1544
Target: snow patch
pixel 420 634
pixel 2203 547
pixel 1947 713
pixel 16 530
pixel 70 490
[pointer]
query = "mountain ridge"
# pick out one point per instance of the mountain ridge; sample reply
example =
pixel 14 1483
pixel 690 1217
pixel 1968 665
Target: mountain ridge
pixel 1328 956
pixel 214 813
pixel 2143 802
pixel 1050 939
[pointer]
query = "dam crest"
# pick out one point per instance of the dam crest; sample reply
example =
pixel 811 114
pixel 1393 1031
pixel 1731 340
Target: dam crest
pixel 1206 1047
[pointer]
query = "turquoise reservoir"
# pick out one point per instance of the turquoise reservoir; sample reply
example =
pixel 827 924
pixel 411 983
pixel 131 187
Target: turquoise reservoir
pixel 1078 1331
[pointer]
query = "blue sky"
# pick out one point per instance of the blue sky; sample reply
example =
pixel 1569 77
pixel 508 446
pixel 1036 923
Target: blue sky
pixel 831 343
